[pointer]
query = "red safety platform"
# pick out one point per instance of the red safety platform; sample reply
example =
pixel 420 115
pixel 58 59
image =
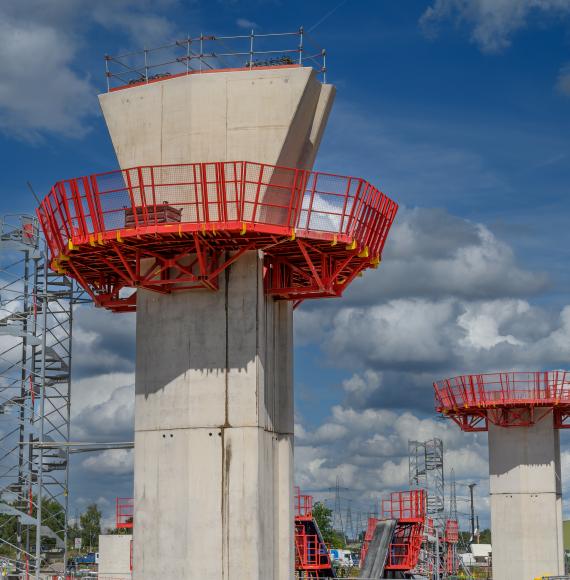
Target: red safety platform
pixel 303 505
pixel 408 508
pixel 508 399
pixel 312 558
pixel 451 532
pixel 124 511
pixel 451 538
pixel 172 228
pixel 311 554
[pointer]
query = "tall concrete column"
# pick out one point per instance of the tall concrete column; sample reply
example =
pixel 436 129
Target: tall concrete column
pixel 214 392
pixel 214 432
pixel 526 501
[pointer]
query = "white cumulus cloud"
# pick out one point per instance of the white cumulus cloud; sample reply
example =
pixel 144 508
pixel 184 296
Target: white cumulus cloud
pixel 492 22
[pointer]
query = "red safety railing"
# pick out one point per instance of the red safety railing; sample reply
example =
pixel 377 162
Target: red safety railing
pixel 408 508
pixel 310 552
pixel 124 512
pixel 368 535
pixel 502 398
pixel 226 195
pixel 303 505
pixel 405 505
pixel 452 531
pixel 451 559
pixel 318 230
pixel 312 558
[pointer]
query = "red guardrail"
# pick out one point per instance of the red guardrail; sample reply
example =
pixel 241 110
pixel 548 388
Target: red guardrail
pixel 303 505
pixel 452 531
pixel 214 196
pixel 124 512
pixel 405 505
pixel 408 508
pixel 509 388
pixel 135 228
pixel 310 552
pixel 508 399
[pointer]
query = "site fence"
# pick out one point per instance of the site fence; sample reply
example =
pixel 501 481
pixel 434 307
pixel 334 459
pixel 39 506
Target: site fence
pixel 205 53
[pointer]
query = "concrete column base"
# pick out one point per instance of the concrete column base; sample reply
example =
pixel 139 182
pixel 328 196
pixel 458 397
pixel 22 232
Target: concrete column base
pixel 214 432
pixel 526 501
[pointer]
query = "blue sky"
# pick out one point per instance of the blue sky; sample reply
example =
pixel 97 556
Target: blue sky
pixel 460 110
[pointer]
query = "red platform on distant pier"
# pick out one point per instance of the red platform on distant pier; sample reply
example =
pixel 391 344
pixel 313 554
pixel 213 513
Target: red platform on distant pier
pixel 509 399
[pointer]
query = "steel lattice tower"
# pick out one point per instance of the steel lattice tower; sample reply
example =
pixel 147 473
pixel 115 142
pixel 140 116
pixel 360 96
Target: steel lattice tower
pixel 35 377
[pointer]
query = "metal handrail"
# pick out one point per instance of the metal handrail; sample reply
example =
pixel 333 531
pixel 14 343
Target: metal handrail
pixel 509 388
pixel 222 195
pixel 200 53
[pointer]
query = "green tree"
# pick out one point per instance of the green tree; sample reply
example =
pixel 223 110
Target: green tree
pixel 73 531
pixel 323 516
pixel 52 516
pixel 90 524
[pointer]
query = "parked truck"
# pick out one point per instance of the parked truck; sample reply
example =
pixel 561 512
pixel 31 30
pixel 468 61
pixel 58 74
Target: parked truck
pixel 343 558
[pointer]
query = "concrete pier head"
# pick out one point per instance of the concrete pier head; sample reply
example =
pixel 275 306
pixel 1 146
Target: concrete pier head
pixel 523 412
pixel 214 386
pixel 526 501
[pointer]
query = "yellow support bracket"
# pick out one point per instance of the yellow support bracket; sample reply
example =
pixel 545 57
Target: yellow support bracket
pixel 71 246
pixel 364 253
pixel 91 240
pixel 100 239
pixel 335 241
pixel 180 231
pixel 293 235
pixel 243 229
pixel 352 245
pixel 118 236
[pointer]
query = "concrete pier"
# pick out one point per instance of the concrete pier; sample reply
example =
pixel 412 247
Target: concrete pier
pixel 214 390
pixel 214 432
pixel 114 557
pixel 526 501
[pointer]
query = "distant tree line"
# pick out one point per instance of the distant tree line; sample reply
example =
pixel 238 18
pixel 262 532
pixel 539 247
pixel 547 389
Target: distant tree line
pixel 88 528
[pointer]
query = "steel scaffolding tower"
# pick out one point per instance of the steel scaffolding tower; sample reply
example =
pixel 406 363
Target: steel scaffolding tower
pixel 426 472
pixel 452 496
pixel 35 377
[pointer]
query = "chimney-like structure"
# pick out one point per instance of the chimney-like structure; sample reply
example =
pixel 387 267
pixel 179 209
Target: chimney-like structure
pixel 522 412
